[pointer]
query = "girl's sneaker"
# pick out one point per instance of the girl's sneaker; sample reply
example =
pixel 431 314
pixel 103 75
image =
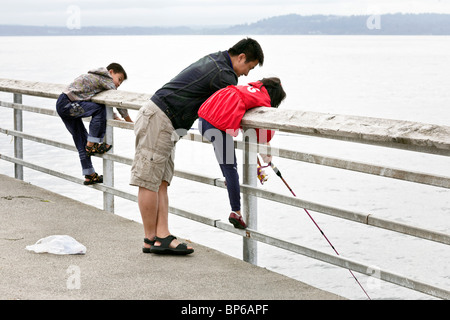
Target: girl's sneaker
pixel 237 221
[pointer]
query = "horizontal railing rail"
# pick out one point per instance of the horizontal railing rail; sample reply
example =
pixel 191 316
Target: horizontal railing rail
pixel 406 135
pixel 365 218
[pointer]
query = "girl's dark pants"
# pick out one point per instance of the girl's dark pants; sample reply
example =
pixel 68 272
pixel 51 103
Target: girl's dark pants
pixel 226 156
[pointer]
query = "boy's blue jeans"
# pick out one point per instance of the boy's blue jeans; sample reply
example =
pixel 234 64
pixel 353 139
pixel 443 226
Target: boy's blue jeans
pixel 71 114
pixel 226 156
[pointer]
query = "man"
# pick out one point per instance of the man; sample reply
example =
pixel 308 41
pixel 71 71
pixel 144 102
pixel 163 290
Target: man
pixel 168 115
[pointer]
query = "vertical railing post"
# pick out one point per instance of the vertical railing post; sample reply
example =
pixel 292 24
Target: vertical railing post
pixel 108 165
pixel 18 142
pixel 249 202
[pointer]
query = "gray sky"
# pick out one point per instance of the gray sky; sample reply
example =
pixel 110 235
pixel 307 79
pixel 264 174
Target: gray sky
pixel 194 12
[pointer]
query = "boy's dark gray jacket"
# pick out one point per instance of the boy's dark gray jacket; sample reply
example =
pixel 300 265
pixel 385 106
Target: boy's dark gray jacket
pixel 182 96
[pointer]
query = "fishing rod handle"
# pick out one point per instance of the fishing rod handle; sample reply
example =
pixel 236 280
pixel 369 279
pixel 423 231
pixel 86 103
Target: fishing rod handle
pixel 275 169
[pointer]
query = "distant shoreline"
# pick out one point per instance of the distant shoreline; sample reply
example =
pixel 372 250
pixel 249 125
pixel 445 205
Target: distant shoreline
pixel 293 24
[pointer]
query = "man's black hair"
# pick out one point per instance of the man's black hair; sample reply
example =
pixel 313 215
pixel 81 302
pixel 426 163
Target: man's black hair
pixel 250 48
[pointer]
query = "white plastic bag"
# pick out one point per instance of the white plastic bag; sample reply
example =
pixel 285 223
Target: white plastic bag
pixel 58 244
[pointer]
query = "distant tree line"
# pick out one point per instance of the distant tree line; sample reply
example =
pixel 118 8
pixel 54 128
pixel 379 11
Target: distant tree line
pixel 293 24
pixel 388 24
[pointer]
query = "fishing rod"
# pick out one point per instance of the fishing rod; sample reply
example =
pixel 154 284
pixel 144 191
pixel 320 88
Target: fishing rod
pixel 278 173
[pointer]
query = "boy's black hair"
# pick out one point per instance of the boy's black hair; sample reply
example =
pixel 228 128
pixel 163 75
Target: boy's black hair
pixel 117 68
pixel 275 90
pixel 250 48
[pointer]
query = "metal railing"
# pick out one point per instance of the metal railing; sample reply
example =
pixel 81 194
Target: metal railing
pixel 406 135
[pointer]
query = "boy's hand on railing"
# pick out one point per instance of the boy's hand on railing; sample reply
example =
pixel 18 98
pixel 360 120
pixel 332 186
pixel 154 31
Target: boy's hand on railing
pixel 127 118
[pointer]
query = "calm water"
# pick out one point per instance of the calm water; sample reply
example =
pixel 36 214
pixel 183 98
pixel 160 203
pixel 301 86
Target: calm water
pixel 389 77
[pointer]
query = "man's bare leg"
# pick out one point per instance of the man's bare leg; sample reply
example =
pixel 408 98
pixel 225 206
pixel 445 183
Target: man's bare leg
pixel 148 206
pixel 162 224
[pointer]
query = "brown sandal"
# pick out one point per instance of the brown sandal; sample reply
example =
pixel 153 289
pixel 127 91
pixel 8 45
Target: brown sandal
pixel 103 148
pixel 97 148
pixel 93 179
pixel 90 150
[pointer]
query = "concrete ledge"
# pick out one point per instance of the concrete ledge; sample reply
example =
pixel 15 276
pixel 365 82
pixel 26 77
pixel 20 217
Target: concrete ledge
pixel 386 132
pixel 393 133
pixel 114 266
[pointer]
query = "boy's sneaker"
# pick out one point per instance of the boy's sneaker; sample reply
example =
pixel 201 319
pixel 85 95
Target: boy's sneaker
pixel 237 221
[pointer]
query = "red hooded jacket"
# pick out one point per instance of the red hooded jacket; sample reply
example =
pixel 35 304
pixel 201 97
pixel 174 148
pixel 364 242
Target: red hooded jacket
pixel 225 108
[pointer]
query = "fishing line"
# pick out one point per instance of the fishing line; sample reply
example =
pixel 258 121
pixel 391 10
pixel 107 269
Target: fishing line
pixel 278 173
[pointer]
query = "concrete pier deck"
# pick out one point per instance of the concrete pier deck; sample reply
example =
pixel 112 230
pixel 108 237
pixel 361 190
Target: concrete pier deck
pixel 114 266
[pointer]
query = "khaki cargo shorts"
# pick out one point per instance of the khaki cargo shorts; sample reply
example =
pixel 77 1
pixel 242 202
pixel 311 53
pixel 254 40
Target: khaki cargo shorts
pixel 155 148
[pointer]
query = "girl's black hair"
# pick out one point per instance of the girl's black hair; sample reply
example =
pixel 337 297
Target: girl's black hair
pixel 275 90
pixel 117 68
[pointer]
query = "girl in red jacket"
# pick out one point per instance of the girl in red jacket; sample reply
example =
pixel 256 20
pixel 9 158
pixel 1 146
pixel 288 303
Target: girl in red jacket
pixel 219 121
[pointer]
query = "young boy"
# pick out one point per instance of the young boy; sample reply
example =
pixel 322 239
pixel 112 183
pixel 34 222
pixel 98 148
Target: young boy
pixel 219 119
pixel 74 104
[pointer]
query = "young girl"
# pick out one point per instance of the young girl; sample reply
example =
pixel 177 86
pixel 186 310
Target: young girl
pixel 74 104
pixel 219 120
